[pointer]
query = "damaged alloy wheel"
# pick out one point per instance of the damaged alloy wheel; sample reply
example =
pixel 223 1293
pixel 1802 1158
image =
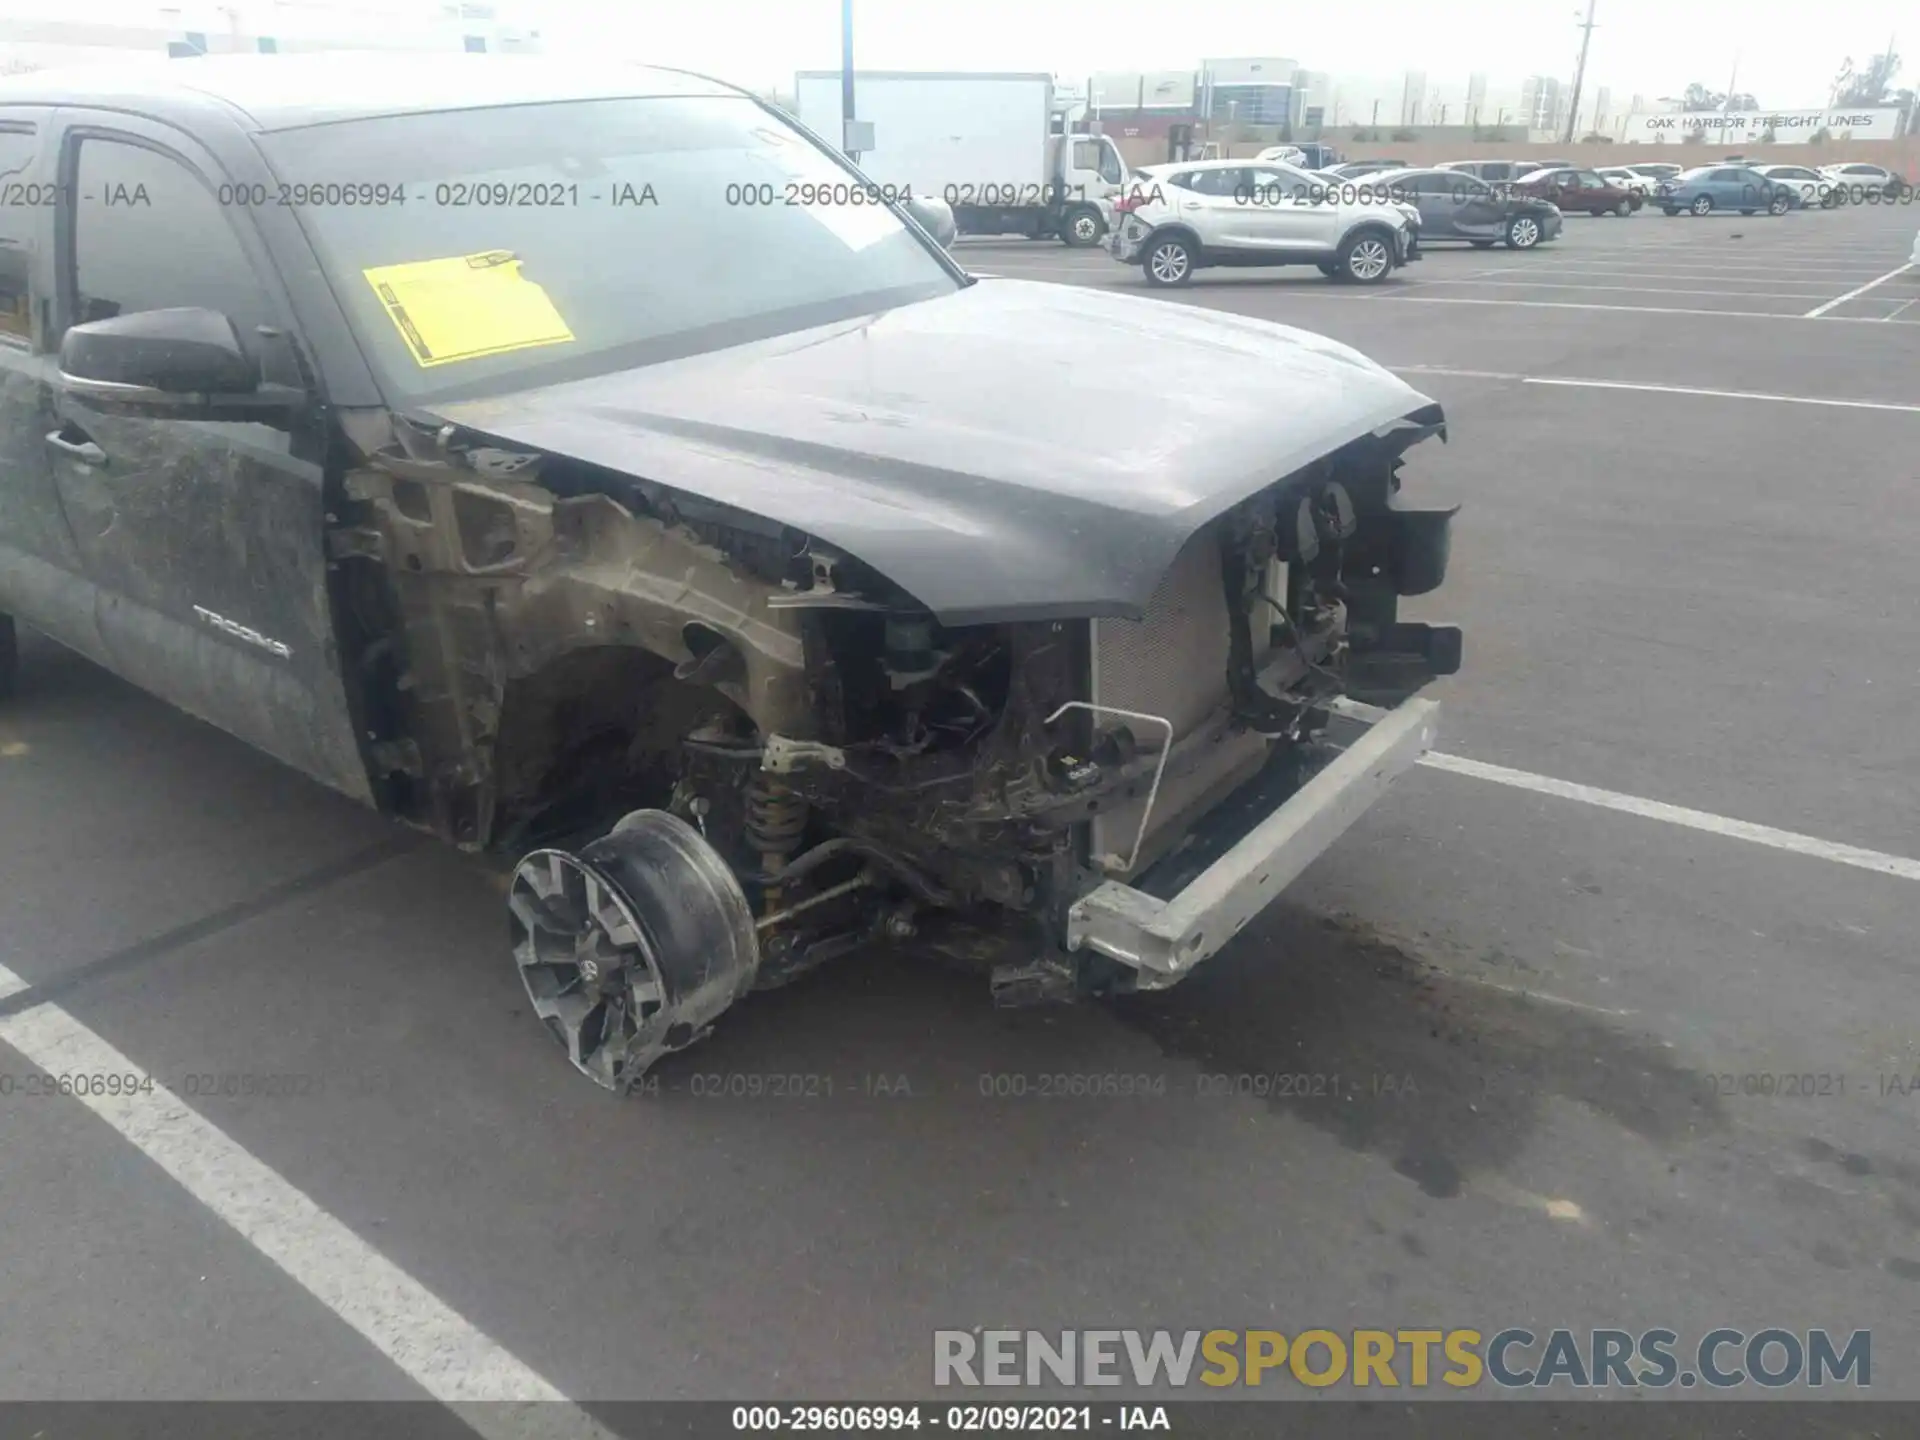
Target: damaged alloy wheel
pixel 630 949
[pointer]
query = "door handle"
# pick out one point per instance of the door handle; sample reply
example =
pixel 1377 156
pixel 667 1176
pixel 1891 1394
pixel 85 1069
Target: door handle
pixel 1191 205
pixel 85 451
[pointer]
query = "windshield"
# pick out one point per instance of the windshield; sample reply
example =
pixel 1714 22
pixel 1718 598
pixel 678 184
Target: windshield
pixel 485 250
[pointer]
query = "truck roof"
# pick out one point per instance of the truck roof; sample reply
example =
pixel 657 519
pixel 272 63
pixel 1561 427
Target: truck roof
pixel 285 92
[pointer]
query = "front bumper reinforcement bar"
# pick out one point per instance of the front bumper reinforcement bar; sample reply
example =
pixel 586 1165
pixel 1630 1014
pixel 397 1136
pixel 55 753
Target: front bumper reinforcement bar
pixel 1163 939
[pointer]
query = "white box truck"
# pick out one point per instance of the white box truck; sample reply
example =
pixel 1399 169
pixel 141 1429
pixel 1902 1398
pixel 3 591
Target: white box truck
pixel 1000 149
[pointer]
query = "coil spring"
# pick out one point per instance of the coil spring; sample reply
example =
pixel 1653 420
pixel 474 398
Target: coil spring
pixel 775 817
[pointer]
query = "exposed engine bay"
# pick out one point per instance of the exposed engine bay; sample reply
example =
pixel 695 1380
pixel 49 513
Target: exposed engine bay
pixel 806 759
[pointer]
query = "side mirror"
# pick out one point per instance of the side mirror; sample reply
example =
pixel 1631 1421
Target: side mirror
pixel 934 216
pixel 170 359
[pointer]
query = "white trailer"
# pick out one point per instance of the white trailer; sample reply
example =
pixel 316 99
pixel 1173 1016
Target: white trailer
pixel 999 148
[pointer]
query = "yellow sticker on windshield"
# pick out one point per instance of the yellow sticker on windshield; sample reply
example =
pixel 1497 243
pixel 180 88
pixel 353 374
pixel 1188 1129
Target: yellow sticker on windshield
pixel 466 306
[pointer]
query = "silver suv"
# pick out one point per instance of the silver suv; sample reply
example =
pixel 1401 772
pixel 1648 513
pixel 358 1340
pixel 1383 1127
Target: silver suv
pixel 1175 219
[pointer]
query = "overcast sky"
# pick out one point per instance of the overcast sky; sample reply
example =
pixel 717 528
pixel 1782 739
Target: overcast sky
pixel 1786 55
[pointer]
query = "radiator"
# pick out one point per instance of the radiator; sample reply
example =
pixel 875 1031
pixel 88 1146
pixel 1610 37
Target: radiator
pixel 1173 663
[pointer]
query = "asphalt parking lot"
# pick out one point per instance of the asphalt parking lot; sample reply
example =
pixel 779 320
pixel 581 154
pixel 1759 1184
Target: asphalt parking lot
pixel 1566 976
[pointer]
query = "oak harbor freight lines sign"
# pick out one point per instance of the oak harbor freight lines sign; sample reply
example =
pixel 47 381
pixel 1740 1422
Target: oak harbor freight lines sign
pixel 1789 127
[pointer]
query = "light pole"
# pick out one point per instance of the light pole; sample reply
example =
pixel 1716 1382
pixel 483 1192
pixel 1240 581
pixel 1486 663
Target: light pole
pixel 1726 106
pixel 846 81
pixel 1580 70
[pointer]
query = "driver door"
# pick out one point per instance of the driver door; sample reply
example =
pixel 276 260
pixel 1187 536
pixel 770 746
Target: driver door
pixel 204 540
pixel 1231 207
pixel 1438 196
pixel 1296 213
pixel 1596 189
pixel 1477 211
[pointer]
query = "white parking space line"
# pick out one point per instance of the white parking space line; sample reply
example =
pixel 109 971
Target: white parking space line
pixel 1574 305
pixel 1752 274
pixel 1732 252
pixel 438 1350
pixel 1722 394
pixel 1573 382
pixel 1727 251
pixel 1692 237
pixel 1903 309
pixel 1854 256
pixel 1622 289
pixel 1820 274
pixel 1788 840
pixel 1820 310
pixel 1450 370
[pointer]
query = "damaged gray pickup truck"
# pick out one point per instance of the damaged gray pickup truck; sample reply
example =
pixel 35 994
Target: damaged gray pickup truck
pixel 590 467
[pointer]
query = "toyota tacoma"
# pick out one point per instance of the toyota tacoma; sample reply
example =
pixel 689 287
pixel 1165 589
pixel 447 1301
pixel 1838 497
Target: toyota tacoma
pixel 588 466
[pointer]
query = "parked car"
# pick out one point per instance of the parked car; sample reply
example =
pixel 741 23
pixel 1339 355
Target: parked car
pixel 1285 154
pixel 1808 187
pixel 1179 218
pixel 1866 184
pixel 1576 189
pixel 1629 180
pixel 761 618
pixel 1354 169
pixel 1707 188
pixel 1456 206
pixel 1659 171
pixel 1315 155
pixel 1494 172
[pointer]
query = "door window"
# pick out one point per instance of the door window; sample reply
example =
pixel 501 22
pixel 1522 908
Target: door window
pixel 1225 181
pixel 1274 187
pixel 17 215
pixel 149 235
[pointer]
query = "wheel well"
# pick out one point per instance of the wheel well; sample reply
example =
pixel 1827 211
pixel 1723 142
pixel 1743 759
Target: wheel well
pixel 1172 232
pixel 1367 227
pixel 592 733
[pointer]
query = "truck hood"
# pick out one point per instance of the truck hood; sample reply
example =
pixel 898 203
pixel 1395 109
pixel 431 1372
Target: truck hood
pixel 1013 450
